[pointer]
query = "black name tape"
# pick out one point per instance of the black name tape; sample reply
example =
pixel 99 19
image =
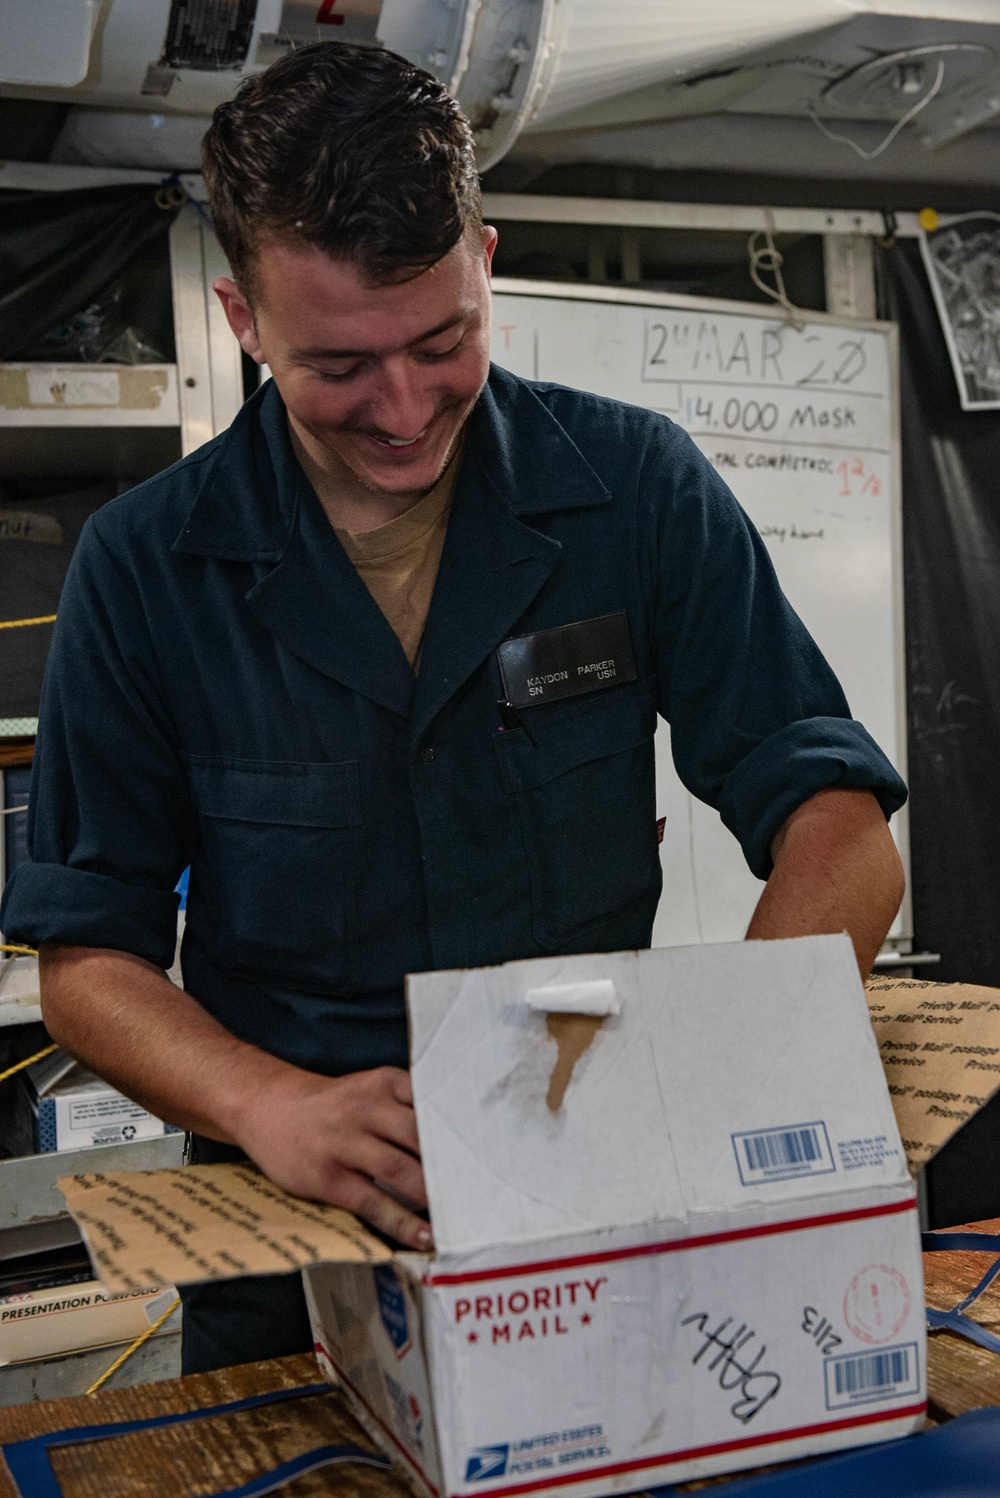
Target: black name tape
pixel 565 662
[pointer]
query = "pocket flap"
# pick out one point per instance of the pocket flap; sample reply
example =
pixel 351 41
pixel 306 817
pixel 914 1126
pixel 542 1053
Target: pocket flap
pixel 276 792
pixel 577 731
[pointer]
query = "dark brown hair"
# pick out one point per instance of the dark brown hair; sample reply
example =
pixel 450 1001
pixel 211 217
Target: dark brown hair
pixel 353 149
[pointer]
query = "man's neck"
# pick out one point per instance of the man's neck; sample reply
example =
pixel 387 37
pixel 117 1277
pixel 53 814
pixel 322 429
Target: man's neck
pixel 349 504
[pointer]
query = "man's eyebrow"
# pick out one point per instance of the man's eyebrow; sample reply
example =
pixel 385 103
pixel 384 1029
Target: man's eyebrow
pixel 339 353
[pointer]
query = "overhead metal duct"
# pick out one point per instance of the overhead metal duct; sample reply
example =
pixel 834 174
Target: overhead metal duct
pixel 527 62
pixel 530 65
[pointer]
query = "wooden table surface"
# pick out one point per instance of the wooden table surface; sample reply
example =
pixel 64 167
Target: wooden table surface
pixel 960 1375
pixel 191 1461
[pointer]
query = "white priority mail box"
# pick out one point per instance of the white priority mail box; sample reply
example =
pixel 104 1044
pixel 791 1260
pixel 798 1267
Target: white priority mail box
pixel 674 1229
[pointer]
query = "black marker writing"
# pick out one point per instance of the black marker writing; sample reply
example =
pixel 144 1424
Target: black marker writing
pixel 737 1370
pixel 820 1330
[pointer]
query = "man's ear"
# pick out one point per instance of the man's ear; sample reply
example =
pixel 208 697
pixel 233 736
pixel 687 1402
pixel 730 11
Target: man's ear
pixel 490 237
pixel 239 316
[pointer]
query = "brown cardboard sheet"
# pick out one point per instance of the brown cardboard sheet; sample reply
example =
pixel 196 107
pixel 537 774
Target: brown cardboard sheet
pixel 940 1046
pixel 203 1222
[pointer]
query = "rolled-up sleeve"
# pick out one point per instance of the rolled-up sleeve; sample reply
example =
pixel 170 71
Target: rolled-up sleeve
pixel 110 826
pixel 759 722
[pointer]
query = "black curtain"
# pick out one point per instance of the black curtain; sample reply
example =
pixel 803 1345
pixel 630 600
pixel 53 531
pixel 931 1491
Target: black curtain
pixel 60 250
pixel 951 527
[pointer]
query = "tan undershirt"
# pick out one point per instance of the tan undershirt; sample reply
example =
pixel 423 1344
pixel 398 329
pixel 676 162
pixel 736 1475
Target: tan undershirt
pixel 398 563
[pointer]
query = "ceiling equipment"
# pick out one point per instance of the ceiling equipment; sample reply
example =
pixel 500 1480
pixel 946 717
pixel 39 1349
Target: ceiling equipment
pixel 523 66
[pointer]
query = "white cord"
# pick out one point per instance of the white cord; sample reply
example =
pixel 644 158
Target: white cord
pixel 911 114
pixel 767 257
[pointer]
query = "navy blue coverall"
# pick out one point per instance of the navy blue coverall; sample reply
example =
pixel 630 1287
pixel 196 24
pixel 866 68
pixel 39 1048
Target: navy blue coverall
pixel 223 691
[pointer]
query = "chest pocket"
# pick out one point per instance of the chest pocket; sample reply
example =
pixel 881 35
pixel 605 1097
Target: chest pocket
pixel 586 795
pixel 278 868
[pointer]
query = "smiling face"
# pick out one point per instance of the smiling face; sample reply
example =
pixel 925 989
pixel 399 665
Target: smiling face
pixel 377 378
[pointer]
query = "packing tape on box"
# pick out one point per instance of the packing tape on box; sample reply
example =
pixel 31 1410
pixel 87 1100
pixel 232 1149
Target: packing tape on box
pixel 596 997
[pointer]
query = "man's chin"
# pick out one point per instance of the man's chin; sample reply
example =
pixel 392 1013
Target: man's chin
pixel 395 483
pixel 397 476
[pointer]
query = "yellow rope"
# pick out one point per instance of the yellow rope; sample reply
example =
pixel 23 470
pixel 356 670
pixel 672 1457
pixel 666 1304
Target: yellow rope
pixel 6 946
pixel 20 623
pixel 171 1308
pixel 13 1070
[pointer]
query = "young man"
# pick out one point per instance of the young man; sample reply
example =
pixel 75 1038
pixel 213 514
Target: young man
pixel 280 662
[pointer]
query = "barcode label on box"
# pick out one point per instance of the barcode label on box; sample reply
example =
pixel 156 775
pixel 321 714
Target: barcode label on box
pixel 865 1377
pixel 775 1154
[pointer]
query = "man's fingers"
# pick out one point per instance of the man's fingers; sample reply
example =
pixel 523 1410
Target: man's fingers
pixel 397 1196
pixel 402 1087
pixel 393 1081
pixel 383 1105
pixel 365 1200
pixel 397 1124
pixel 380 1161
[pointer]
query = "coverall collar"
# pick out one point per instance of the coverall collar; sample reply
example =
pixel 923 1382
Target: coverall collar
pixel 494 565
pixel 256 505
pixel 247 507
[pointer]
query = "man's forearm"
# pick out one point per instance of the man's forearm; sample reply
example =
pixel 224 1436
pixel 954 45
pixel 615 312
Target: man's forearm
pixel 348 1140
pixel 122 1017
pixel 836 868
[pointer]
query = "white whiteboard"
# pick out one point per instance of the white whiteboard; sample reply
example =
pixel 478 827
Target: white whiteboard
pixel 803 425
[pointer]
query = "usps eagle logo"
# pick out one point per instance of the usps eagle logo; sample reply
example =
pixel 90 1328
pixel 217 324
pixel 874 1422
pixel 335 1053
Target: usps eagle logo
pixel 486 1461
pixel 392 1308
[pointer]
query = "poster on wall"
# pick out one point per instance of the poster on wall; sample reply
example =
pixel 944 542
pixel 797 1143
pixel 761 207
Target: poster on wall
pixel 962 258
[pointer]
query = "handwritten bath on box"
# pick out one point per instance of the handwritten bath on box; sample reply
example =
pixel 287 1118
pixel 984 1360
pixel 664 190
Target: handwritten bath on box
pixel 652 1262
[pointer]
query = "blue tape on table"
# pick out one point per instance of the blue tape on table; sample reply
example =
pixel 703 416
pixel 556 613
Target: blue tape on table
pixel 31 1469
pixel 955 1320
pixel 957 1460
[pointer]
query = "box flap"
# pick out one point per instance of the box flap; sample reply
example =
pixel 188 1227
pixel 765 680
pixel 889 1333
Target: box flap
pixel 49 1072
pixel 940 1045
pixel 731 1076
pixel 206 1222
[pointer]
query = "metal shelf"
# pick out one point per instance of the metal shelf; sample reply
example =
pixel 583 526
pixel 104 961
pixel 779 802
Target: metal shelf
pixel 28 1185
pixel 59 1377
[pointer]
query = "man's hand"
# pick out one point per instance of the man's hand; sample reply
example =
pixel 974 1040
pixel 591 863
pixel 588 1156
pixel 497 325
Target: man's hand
pixel 343 1140
pixel 836 868
pixel 331 1139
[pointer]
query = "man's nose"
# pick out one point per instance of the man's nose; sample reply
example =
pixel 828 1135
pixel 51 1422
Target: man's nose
pixel 405 403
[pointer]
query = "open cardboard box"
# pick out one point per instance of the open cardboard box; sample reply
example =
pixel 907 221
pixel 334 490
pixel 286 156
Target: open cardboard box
pixel 675 1233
